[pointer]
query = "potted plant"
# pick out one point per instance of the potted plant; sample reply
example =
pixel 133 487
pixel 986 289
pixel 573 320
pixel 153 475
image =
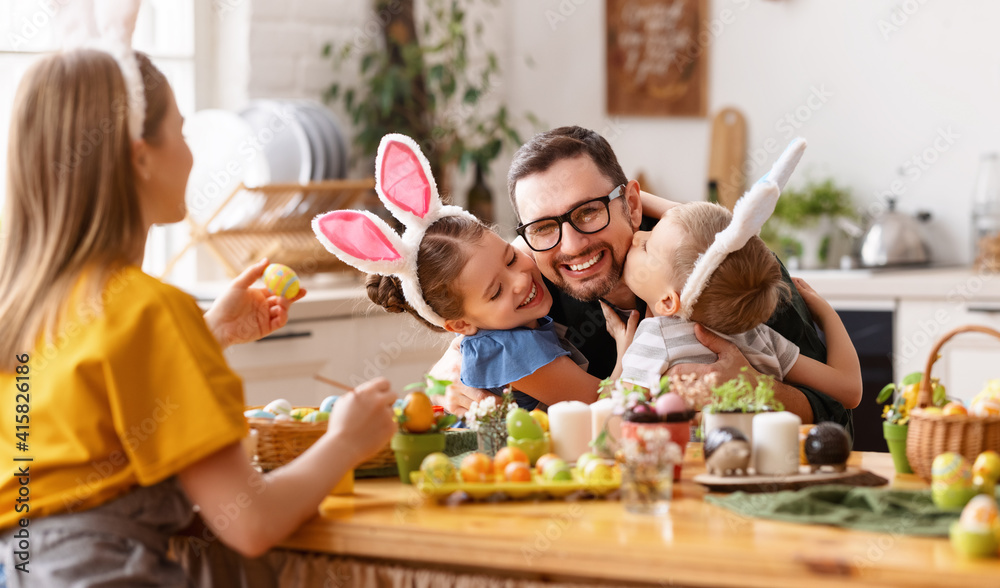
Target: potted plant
pixel 801 227
pixel 734 404
pixel 897 415
pixel 430 79
pixel 421 428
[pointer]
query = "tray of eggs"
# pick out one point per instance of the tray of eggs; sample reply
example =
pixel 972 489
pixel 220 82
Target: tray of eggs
pixel 510 474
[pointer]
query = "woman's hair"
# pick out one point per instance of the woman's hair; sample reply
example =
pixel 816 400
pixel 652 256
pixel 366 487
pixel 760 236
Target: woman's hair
pixel 745 289
pixel 443 254
pixel 71 201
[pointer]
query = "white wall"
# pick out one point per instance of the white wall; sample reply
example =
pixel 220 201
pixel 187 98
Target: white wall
pixel 891 91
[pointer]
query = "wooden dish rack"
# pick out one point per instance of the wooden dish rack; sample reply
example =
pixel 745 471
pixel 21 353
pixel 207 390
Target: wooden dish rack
pixel 281 228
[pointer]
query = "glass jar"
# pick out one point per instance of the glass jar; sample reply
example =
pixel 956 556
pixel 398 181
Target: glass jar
pixel 492 437
pixel 986 215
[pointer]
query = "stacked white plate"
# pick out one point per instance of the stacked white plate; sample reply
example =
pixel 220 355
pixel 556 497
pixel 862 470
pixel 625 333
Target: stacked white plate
pixel 268 142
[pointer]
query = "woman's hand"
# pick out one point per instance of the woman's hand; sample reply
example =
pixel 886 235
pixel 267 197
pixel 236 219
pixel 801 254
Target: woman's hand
pixel 362 419
pixel 243 314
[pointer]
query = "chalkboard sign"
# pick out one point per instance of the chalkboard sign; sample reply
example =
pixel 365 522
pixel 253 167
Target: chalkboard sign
pixel 657 57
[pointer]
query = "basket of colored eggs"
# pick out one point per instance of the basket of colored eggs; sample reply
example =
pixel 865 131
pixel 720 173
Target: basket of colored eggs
pixel 284 432
pixel 967 432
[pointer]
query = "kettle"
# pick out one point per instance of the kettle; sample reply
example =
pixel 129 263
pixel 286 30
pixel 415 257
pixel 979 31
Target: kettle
pixel 894 238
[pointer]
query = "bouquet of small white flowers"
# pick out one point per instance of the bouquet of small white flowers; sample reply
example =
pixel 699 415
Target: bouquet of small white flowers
pixel 488 418
pixel 490 413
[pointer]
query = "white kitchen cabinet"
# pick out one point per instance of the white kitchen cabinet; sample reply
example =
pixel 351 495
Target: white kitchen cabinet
pixel 967 361
pixel 349 349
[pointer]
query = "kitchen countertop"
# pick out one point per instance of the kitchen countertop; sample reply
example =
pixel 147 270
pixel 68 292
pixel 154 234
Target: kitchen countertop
pixel 345 296
pixel 953 284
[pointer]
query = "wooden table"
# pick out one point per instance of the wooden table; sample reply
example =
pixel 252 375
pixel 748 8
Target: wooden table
pixel 696 544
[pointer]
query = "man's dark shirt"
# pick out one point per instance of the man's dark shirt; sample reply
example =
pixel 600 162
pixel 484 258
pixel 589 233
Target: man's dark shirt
pixel 587 331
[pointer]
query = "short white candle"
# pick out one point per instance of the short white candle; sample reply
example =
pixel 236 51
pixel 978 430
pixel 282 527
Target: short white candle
pixel 601 413
pixel 569 426
pixel 776 443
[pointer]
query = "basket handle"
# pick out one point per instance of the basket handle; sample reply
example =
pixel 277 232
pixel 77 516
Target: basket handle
pixel 925 396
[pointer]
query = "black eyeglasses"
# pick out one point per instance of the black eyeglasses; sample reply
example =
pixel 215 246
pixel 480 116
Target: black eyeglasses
pixel 587 218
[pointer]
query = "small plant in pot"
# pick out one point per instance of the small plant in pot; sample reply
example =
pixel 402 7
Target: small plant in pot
pixel 421 427
pixel 897 414
pixel 735 402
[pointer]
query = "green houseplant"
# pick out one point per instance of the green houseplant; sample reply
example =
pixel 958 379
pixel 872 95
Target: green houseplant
pixel 428 78
pixel 802 224
pixel 735 402
pixel 897 414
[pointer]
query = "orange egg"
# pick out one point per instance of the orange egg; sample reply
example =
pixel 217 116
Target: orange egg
pixel 419 413
pixel 517 471
pixel 476 467
pixel 506 456
pixel 953 408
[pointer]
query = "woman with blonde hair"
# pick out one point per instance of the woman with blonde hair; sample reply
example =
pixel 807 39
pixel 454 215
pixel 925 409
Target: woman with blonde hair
pixel 121 412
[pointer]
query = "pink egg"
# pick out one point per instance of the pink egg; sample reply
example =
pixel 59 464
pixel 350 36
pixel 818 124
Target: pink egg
pixel 670 403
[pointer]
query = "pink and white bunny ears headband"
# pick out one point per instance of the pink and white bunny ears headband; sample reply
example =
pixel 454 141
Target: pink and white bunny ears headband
pixel 108 25
pixel 749 215
pixel 405 185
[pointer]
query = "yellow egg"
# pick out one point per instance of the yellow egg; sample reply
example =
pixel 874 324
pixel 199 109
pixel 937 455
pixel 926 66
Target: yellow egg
pixel 987 465
pixel 300 413
pixel 951 469
pixel 281 280
pixel 980 514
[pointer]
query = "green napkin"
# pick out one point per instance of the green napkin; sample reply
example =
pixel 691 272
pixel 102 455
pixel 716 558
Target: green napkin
pixel 903 512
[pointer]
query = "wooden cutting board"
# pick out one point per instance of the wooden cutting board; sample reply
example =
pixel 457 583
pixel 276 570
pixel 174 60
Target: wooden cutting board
pixel 851 476
pixel 727 155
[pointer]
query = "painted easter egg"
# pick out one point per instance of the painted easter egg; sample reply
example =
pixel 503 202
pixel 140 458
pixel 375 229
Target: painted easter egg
pixel 327 404
pixel 951 469
pixel 670 403
pixel 281 280
pixel 284 417
pixel 256 413
pixel 987 465
pixel 316 416
pixel 985 405
pixel 980 514
pixel 279 406
pixel 300 413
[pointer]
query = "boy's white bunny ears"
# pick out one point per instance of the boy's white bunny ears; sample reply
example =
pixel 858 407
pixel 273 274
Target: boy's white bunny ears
pixel 749 215
pixel 405 185
pixel 108 25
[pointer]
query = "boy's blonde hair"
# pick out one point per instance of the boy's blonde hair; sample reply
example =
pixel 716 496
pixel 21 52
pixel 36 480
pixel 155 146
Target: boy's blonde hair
pixel 71 205
pixel 746 288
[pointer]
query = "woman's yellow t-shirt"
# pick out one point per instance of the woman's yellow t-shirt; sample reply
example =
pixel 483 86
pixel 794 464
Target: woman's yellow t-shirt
pixel 131 394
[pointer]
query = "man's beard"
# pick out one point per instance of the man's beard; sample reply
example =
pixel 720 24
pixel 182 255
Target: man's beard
pixel 594 287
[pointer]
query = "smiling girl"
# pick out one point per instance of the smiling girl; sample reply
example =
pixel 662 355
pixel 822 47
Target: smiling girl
pixel 454 274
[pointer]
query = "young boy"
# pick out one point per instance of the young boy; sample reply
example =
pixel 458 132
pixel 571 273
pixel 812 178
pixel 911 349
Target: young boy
pixel 738 297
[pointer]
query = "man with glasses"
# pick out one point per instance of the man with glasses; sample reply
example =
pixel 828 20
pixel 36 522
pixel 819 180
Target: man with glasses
pixel 578 214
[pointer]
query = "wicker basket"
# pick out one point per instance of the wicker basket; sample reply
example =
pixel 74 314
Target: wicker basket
pixel 932 435
pixel 279 442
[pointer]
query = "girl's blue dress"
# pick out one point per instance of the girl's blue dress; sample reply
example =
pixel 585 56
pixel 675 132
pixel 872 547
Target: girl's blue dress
pixel 493 359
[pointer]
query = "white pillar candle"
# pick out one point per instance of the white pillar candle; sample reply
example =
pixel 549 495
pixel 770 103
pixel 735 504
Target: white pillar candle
pixel 601 413
pixel 569 426
pixel 776 443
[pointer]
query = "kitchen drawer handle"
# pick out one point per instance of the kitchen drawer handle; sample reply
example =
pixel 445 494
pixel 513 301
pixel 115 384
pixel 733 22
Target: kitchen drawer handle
pixel 990 309
pixel 289 335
